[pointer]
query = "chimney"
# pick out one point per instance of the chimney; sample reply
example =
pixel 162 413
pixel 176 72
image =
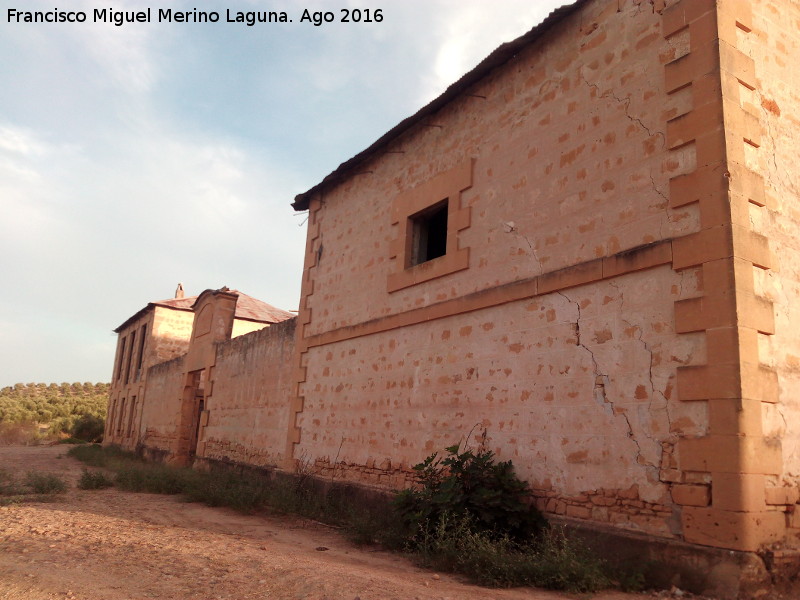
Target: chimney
pixel 179 291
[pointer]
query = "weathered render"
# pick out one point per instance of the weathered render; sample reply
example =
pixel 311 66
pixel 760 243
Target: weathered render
pixel 588 248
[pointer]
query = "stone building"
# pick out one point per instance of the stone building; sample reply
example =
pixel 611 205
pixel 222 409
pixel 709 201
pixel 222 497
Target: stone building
pixel 587 247
pixel 166 355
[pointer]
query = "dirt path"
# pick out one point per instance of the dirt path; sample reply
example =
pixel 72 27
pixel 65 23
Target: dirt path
pixel 113 545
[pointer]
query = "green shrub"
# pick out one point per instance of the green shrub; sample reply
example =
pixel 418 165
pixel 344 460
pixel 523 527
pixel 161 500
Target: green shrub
pixel 471 515
pixel 94 480
pixel 45 483
pixel 88 428
pixel 469 485
pixel 8 486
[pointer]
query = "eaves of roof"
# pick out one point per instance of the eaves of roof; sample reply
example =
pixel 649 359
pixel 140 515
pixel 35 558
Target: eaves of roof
pixel 499 57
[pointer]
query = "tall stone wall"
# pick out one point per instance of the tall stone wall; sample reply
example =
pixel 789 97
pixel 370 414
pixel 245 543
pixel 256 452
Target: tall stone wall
pixel 550 321
pixel 248 407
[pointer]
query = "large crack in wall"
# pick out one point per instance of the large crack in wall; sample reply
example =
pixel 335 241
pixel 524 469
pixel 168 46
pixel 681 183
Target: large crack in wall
pixel 654 390
pixel 601 382
pixel 625 103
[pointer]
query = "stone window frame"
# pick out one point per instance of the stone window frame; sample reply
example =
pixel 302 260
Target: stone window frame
pixel 446 186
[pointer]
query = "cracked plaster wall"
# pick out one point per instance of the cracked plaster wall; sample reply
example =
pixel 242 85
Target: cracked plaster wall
pixel 577 386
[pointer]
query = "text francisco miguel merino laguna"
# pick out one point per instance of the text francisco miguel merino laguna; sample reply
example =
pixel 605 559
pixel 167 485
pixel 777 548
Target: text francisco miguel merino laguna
pixel 167 15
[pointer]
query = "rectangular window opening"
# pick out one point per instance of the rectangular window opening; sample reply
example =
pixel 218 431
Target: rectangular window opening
pixel 121 356
pixel 429 233
pixel 120 416
pixel 131 415
pixel 129 360
pixel 140 355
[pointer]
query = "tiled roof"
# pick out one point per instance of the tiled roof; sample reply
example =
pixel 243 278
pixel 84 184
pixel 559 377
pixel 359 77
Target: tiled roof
pixel 247 308
pixel 499 57
pixel 254 309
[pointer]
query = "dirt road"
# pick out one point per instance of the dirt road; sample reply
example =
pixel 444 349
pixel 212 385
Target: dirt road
pixel 113 545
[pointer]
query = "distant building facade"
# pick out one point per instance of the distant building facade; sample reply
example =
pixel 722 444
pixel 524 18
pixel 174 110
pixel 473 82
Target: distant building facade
pixel 166 364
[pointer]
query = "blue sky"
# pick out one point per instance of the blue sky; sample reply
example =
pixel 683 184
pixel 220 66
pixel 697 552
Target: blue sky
pixel 135 157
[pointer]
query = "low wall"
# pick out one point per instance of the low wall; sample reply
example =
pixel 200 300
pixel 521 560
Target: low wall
pixel 248 410
pixel 161 410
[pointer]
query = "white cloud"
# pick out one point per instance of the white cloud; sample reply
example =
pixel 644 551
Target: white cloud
pixel 112 190
pixel 26 191
pixel 127 53
pixel 19 141
pixel 468 33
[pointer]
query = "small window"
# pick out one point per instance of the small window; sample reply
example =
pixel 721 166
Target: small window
pixel 428 220
pixel 429 232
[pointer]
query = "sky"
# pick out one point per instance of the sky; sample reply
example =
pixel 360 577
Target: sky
pixel 134 157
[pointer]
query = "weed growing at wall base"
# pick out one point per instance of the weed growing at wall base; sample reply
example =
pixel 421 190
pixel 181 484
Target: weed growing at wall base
pixel 469 485
pixel 551 560
pixel 97 456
